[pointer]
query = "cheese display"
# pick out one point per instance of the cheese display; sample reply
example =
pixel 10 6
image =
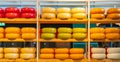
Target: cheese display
pixel 112 30
pixel 61 56
pixel 97 36
pixel 79 30
pixel 11 50
pixel 113 56
pixel 79 36
pixel 98 56
pixel 27 56
pixel 113 16
pixel 64 10
pixel 64 15
pixel 27 50
pixel 28 30
pixel 113 50
pixel 98 16
pixel 1 35
pixel 12 36
pixel 28 35
pixel 48 10
pixel 47 36
pixel 97 30
pixel 64 30
pixel 113 10
pixel 64 36
pixel 12 30
pixel 113 36
pixel 11 55
pixel 76 56
pixel 62 51
pixel 97 11
pixel 1 50
pixel 79 15
pixel 47 51
pixel 76 51
pixel 1 30
pixel 48 15
pixel 46 56
pixel 98 50
pixel 48 30
pixel 78 10
pixel 1 55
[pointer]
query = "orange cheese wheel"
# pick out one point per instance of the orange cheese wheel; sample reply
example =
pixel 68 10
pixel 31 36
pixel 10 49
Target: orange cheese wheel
pixel 48 16
pixel 76 56
pixel 97 30
pixel 28 35
pixel 12 36
pixel 1 50
pixel 46 56
pixel 62 51
pixel 27 56
pixel 47 51
pixel 11 50
pixel 1 30
pixel 98 16
pixel 113 10
pixel 78 10
pixel 64 15
pixel 64 10
pixel 79 15
pixel 76 50
pixel 28 50
pixel 1 56
pixel 97 11
pixel 113 36
pixel 4 39
pixel 61 56
pixel 97 36
pixel 112 30
pixel 12 30
pixel 48 10
pixel 28 30
pixel 11 55
pixel 1 35
pixel 113 16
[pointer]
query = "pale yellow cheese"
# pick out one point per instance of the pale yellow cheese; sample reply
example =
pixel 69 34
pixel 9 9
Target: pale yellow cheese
pixel 64 10
pixel 64 15
pixel 79 15
pixel 48 10
pixel 27 56
pixel 78 10
pixel 11 50
pixel 11 55
pixel 48 16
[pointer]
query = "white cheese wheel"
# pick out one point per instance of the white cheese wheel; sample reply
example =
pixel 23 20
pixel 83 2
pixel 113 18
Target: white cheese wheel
pixel 79 15
pixel 64 15
pixel 64 36
pixel 28 50
pixel 98 50
pixel 1 50
pixel 64 30
pixel 1 56
pixel 98 56
pixel 28 35
pixel 47 36
pixel 79 30
pixel 113 56
pixel 11 55
pixel 48 30
pixel 46 56
pixel 113 50
pixel 79 36
pixel 112 30
pixel 64 10
pixel 62 51
pixel 11 50
pixel 27 56
pixel 1 30
pixel 113 36
pixel 97 36
pixel 78 10
pixel 1 35
pixel 48 10
pixel 47 51
pixel 28 30
pixel 48 16
pixel 12 30
pixel 12 35
pixel 97 30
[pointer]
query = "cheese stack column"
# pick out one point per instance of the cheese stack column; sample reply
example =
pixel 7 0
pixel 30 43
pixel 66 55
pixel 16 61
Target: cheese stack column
pixel 1 33
pixel 1 53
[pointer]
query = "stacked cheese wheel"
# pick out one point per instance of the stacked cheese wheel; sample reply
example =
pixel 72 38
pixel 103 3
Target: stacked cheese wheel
pixel 1 53
pixel 1 13
pixel 1 33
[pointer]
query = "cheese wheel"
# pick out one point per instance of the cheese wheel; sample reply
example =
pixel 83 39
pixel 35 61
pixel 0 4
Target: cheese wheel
pixel 61 56
pixel 113 10
pixel 12 36
pixel 1 30
pixel 76 56
pixel 1 35
pixel 76 51
pixel 79 30
pixel 64 10
pixel 97 36
pixel 47 36
pixel 1 56
pixel 112 30
pixel 47 51
pixel 98 56
pixel 48 10
pixel 27 56
pixel 98 50
pixel 84 60
pixel 79 15
pixel 79 36
pixel 78 10
pixel 64 36
pixel 68 60
pixel 4 60
pixel 113 16
pixel 113 56
pixel 28 50
pixel 32 60
pixel 56 60
pixel 48 30
pixel 12 30
pixel 4 40
pixel 62 51
pixel 97 30
pixel 98 16
pixel 97 11
pixel 113 50
pixel 113 36
pixel 48 16
pixel 64 30
pixel 46 56
pixel 11 50
pixel 28 35
pixel 11 55
pixel 1 50
pixel 64 15
pixel 20 60
pixel 28 30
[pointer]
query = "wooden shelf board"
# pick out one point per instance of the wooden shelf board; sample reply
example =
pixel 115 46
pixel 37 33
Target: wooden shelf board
pixel 46 60
pixel 104 21
pixel 106 40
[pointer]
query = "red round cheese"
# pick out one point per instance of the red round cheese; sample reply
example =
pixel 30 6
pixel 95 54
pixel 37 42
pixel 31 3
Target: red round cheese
pixel 12 15
pixel 28 15
pixel 1 15
pixel 12 10
pixel 1 10
pixel 28 10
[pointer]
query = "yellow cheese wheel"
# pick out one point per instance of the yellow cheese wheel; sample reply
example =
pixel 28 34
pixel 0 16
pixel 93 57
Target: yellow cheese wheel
pixel 1 50
pixel 64 10
pixel 1 55
pixel 1 35
pixel 4 40
pixel 12 30
pixel 47 51
pixel 11 55
pixel 62 51
pixel 28 30
pixel 79 36
pixel 46 56
pixel 113 36
pixel 97 30
pixel 64 15
pixel 64 30
pixel 79 15
pixel 113 10
pixel 98 16
pixel 28 35
pixel 113 16
pixel 27 56
pixel 97 11
pixel 11 50
pixel 48 16
pixel 61 56
pixel 12 36
pixel 64 36
pixel 48 30
pixel 28 50
pixel 1 30
pixel 79 30
pixel 97 36
pixel 76 51
pixel 76 56
pixel 48 10
pixel 68 60
pixel 112 30
pixel 78 10
pixel 4 60
pixel 47 36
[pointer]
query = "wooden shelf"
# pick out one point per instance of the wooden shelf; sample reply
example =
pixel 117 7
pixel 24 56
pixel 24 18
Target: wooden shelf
pixel 106 40
pixel 104 21
pixel 17 40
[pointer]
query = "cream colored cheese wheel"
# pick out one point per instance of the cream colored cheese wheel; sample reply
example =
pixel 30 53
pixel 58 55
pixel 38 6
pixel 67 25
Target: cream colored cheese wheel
pixel 79 30
pixel 61 56
pixel 64 36
pixel 48 10
pixel 1 30
pixel 97 30
pixel 28 30
pixel 47 36
pixel 97 36
pixel 27 56
pixel 64 10
pixel 113 16
pixel 28 50
pixel 64 30
pixel 113 10
pixel 76 51
pixel 79 15
pixel 98 16
pixel 48 16
pixel 11 55
pixel 113 56
pixel 113 50
pixel 62 51
pixel 12 30
pixel 113 36
pixel 97 11
pixel 79 36
pixel 1 35
pixel 98 50
pixel 78 10
pixel 98 56
pixel 12 36
pixel 28 36
pixel 1 56
pixel 46 56
pixel 47 51
pixel 48 30
pixel 1 50
pixel 77 56
pixel 112 30
pixel 64 15
pixel 11 50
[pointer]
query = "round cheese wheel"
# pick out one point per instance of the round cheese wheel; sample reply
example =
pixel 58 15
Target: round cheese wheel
pixel 46 56
pixel 98 56
pixel 97 30
pixel 64 30
pixel 48 10
pixel 1 30
pixel 28 30
pixel 20 60
pixel 12 30
pixel 62 51
pixel 64 15
pixel 28 50
pixel 113 16
pixel 113 10
pixel 76 56
pixel 113 56
pixel 64 36
pixel 11 55
pixel 12 36
pixel 68 60
pixel 97 36
pixel 112 30
pixel 4 40
pixel 48 16
pixel 28 35
pixel 1 35
pixel 97 11
pixel 11 50
pixel 79 30
pixel 78 10
pixel 98 16
pixel 4 60
pixel 64 10
pixel 1 50
pixel 48 30
pixel 113 36
pixel 61 56
pixel 79 15
pixel 79 36
pixel 76 51
pixel 98 50
pixel 47 36
pixel 27 56
pixel 1 56
pixel 47 51
pixel 113 50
